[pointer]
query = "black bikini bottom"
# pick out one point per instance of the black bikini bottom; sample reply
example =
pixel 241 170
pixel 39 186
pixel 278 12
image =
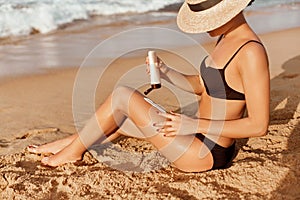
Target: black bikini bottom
pixel 222 156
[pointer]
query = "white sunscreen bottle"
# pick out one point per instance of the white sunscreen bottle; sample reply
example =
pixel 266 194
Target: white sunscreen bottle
pixel 154 72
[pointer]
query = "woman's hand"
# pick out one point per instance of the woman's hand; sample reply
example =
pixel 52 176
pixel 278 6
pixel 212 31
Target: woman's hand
pixel 159 64
pixel 176 124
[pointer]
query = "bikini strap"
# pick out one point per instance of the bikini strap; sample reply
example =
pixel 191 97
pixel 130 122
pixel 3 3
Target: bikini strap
pixel 219 39
pixel 232 57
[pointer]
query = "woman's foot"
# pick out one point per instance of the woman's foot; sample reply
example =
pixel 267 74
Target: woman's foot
pixel 60 158
pixel 52 147
pixel 70 154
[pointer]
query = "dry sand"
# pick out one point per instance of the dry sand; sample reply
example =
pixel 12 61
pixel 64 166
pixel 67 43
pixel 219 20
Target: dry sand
pixel 37 109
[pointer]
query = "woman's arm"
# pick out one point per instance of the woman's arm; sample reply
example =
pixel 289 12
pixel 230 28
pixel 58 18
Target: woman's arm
pixel 256 82
pixel 189 83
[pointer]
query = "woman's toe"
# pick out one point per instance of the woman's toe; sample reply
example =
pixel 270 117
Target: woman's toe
pixel 32 148
pixel 46 161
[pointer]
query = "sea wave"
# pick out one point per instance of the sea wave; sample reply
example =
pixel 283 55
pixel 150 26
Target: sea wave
pixel 23 17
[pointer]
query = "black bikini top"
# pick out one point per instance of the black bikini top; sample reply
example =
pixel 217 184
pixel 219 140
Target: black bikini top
pixel 215 82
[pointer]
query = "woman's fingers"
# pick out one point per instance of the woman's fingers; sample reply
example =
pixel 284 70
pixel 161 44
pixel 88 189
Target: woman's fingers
pixel 169 127
pixel 163 124
pixel 173 113
pixel 174 124
pixel 170 115
pixel 167 130
pixel 158 62
pixel 170 120
pixel 147 63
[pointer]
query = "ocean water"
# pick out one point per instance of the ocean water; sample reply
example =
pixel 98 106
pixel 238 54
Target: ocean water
pixel 43 51
pixel 24 17
pixel 259 4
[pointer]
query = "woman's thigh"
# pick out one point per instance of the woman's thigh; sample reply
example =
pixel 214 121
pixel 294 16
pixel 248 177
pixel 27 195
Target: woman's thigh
pixel 186 152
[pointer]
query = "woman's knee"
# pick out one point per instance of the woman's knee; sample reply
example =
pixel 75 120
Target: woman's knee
pixel 122 89
pixel 121 97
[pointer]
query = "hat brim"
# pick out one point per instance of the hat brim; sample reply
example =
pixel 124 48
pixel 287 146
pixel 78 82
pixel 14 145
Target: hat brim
pixel 210 19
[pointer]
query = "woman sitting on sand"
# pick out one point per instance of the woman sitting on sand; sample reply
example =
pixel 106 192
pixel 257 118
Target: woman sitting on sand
pixel 239 60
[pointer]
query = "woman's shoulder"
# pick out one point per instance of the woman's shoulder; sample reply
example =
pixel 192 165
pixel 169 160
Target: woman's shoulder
pixel 253 55
pixel 252 47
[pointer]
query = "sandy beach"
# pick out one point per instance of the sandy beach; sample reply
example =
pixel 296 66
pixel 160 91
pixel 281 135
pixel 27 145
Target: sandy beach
pixel 37 108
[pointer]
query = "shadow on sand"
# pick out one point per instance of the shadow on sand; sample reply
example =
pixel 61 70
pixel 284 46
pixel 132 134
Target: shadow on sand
pixel 285 98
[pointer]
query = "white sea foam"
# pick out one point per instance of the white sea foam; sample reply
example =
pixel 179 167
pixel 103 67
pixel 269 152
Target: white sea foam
pixel 22 17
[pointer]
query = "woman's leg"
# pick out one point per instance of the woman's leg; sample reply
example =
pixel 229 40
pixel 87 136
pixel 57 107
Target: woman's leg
pixel 52 147
pixel 58 145
pixel 183 151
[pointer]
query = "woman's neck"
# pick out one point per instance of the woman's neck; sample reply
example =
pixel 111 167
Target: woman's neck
pixel 230 28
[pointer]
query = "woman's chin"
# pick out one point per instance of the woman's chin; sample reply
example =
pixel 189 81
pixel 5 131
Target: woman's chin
pixel 213 33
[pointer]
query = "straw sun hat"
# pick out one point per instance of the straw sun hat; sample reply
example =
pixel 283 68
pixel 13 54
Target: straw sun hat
pixel 196 16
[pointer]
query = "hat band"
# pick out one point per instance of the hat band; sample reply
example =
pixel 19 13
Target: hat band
pixel 203 5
